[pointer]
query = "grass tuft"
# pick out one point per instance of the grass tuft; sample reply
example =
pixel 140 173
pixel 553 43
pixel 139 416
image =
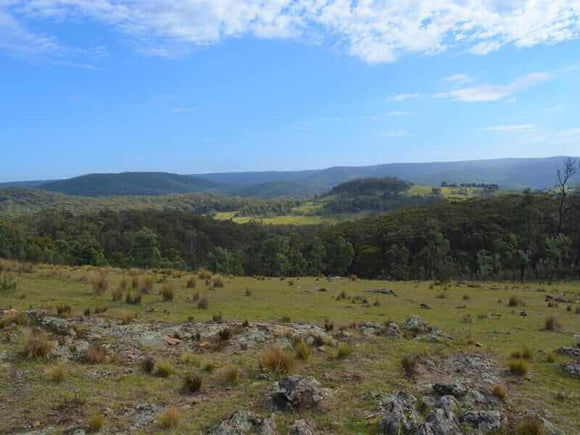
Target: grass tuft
pixel 276 360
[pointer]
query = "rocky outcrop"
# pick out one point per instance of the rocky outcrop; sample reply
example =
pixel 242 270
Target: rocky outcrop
pixel 242 423
pixel 296 392
pixel 399 414
pixel 483 421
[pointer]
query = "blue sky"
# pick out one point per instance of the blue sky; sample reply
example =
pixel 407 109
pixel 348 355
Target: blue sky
pixel 223 85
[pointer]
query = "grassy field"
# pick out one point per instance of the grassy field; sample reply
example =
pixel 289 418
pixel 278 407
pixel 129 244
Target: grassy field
pixel 477 316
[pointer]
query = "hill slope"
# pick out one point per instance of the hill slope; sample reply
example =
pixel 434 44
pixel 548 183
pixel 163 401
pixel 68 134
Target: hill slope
pixel 130 183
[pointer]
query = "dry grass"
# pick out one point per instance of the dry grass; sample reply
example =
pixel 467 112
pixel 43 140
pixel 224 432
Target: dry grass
pixel 191 283
pixel 203 274
pixel 409 364
pixel 96 355
pixel 15 318
pixel 552 324
pixel 514 301
pixel 63 310
pixel 7 282
pixel 117 295
pixel 164 369
pixel 147 364
pixel 56 373
pixel 499 391
pixel 518 368
pixel 191 359
pixel 344 351
pixel 127 317
pixel 146 285
pixel 95 423
pixel 99 284
pixel 531 426
pixel 276 360
pixel 168 293
pixel 170 418
pixel 36 344
pixel 230 375
pixel 302 350
pixel 133 300
pixel 191 383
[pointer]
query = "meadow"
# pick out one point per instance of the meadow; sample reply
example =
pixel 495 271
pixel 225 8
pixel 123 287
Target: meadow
pixel 118 356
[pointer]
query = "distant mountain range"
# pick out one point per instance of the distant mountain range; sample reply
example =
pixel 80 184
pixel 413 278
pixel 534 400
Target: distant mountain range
pixel 515 173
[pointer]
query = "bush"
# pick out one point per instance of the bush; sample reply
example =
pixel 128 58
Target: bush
pixel 63 310
pixel 217 281
pixel 344 351
pixel 230 375
pixel 99 284
pixel 191 383
pixel 531 426
pixel 117 295
pixel 167 293
pixel 203 303
pixel 514 301
pixel 36 345
pixel 7 282
pixel 518 368
pixel 95 354
pixel 146 286
pixel 56 373
pixel 170 418
pixel 164 369
pixel 95 423
pixel 499 391
pixel 410 363
pixel 552 324
pixel 276 360
pixel 147 364
pixel 302 350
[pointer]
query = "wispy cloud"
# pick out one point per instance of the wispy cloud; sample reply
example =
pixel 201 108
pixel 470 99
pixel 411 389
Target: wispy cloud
pixel 375 31
pixel 488 93
pixel 399 113
pixel 570 132
pixel 403 97
pixel 511 128
pixel 458 79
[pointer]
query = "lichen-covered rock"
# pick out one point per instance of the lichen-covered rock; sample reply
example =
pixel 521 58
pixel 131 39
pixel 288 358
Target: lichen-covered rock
pixel 242 423
pixel 440 422
pixel 392 330
pixel 449 403
pixel 570 351
pixel 454 389
pixel 399 414
pixel 572 368
pixel 302 427
pixel 297 392
pixel 483 421
pixel 417 325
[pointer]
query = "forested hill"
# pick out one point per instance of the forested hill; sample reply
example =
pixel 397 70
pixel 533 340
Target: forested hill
pixel 130 183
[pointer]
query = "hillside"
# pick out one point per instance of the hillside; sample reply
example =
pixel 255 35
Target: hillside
pixel 130 183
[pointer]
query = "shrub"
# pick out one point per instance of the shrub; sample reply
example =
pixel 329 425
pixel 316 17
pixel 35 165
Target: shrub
pixel 217 317
pixel 191 283
pixel 99 284
pixel 128 317
pixel 526 353
pixel 133 300
pixel 342 295
pixel 552 324
pixel 514 301
pixel 466 297
pixel 203 274
pixel 95 423
pixel 302 350
pixel 328 325
pixel 208 367
pixel 531 426
pixel 285 319
pixel 518 368
pixel 146 286
pixel 248 292
pixel 36 345
pixel 170 418
pixel 499 391
pixel 7 282
pixel 344 351
pixel 191 383
pixel 230 375
pixel 276 360
pixel 551 357
pixel 164 369
pixel 95 354
pixel 63 310
pixel 217 281
pixel 410 363
pixel 167 293
pixel 15 318
pixel 147 364
pixel 191 359
pixel 56 373
pixel 117 295
pixel 203 303
pixel 225 334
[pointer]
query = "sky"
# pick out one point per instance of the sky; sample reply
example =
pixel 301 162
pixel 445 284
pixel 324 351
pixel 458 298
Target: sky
pixel 195 86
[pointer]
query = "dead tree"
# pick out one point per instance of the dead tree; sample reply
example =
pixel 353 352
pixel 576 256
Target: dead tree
pixel 564 175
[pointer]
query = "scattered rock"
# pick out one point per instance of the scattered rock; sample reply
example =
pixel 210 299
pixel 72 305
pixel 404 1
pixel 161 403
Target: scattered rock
pixel 440 422
pixel 417 325
pixel 449 403
pixel 425 306
pixel 483 421
pixel 572 368
pixel 143 415
pixel 399 414
pixel 297 392
pixel 382 292
pixel 392 330
pixel 570 351
pixel 302 427
pixel 454 389
pixel 242 422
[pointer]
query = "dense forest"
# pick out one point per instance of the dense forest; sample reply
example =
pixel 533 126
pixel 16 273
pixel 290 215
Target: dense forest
pixel 504 237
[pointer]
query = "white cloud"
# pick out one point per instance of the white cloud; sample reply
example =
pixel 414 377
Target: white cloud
pixel 184 109
pixel 403 97
pixel 394 133
pixel 511 128
pixel 571 132
pixel 376 31
pixel 487 93
pixel 458 79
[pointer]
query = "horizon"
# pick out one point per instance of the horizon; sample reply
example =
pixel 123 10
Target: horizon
pixel 249 87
